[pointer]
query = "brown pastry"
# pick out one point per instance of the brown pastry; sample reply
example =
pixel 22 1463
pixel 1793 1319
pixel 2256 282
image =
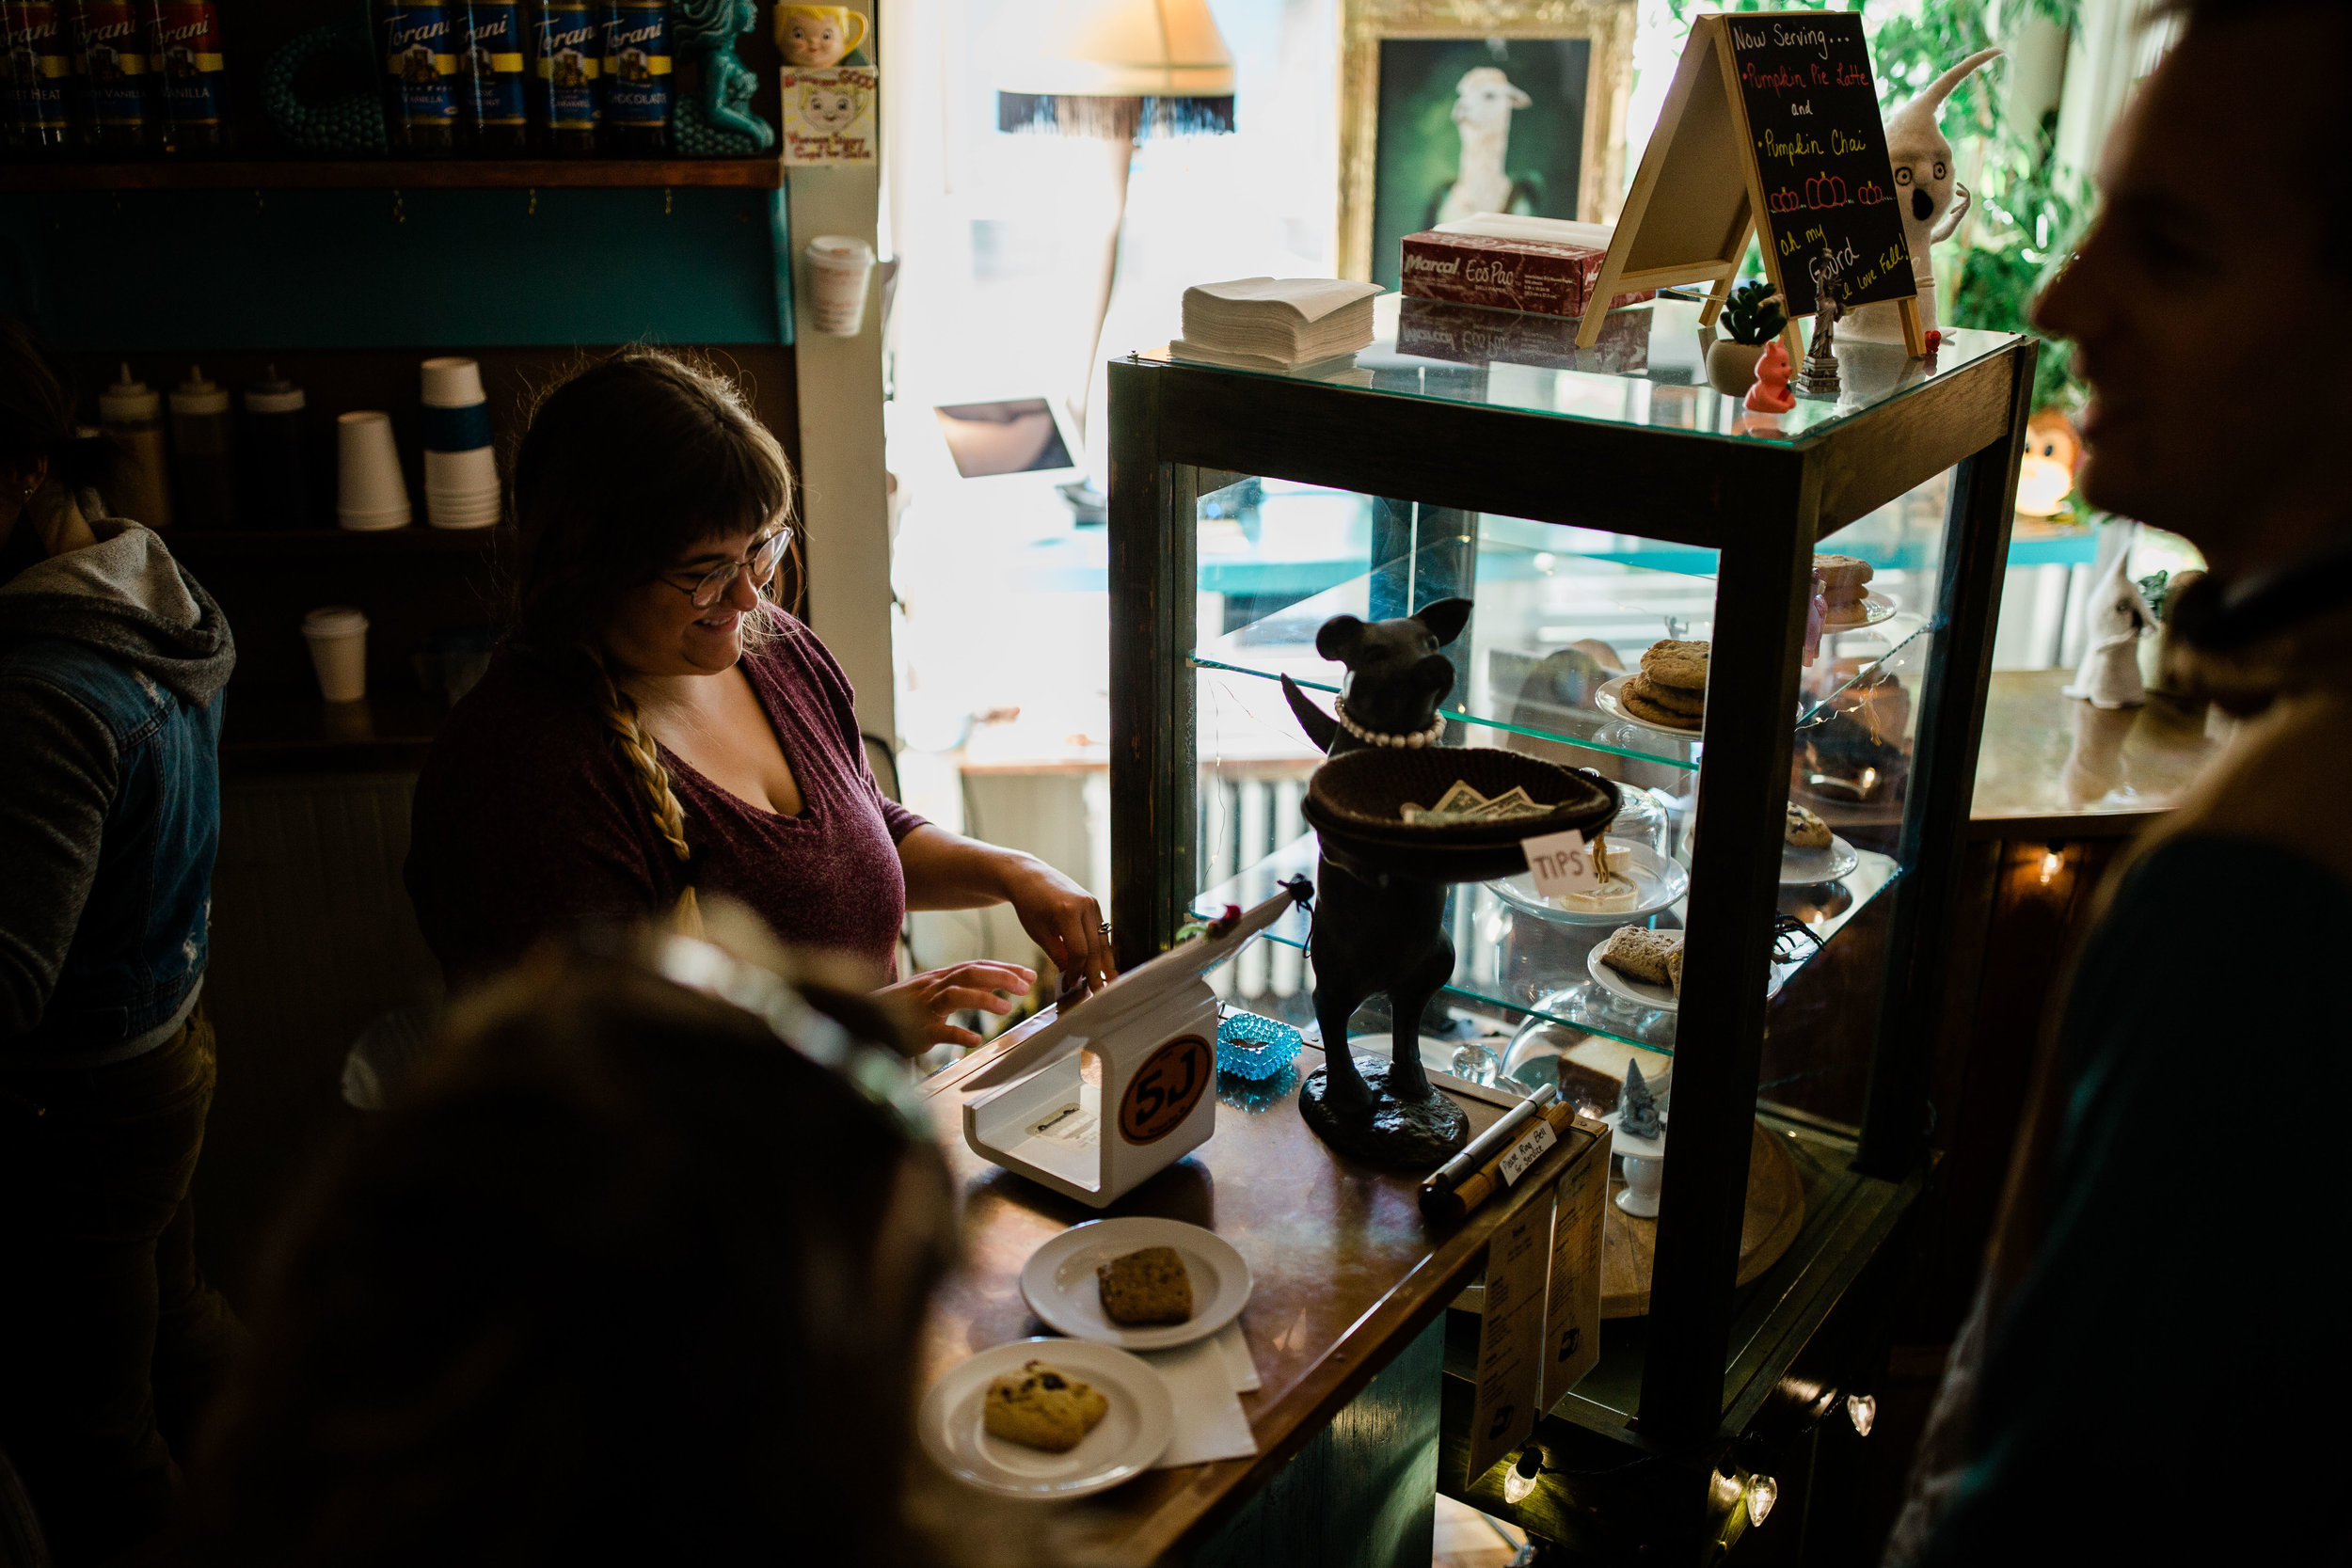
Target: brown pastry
pixel 1149 1285
pixel 1678 663
pixel 1842 575
pixel 1040 1406
pixel 1641 953
pixel 1691 705
pixel 1806 831
pixel 1645 708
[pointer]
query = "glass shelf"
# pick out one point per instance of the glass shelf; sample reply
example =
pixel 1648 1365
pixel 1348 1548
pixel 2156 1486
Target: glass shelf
pixel 1529 666
pixel 1506 957
pixel 1646 370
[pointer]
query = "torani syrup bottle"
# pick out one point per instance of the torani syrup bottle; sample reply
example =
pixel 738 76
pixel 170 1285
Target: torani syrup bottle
pixel 421 39
pixel 637 78
pixel 40 63
pixel 566 60
pixel 184 53
pixel 491 118
pixel 110 76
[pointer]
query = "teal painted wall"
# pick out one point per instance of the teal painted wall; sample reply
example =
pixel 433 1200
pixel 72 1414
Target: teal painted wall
pixel 159 270
pixel 1363 1492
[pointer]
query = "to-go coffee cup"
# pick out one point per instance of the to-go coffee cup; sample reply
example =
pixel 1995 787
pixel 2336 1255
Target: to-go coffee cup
pixel 838 270
pixel 338 635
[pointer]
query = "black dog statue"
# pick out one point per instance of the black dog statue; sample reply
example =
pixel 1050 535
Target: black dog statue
pixel 1376 931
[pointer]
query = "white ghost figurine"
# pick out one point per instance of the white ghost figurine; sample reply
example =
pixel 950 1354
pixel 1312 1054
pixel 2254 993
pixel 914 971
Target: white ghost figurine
pixel 2113 618
pixel 1924 187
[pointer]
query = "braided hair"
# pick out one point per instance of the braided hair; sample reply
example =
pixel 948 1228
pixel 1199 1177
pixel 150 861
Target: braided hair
pixel 624 465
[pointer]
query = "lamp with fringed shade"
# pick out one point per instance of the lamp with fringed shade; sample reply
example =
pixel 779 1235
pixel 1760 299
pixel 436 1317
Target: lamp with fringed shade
pixel 1120 71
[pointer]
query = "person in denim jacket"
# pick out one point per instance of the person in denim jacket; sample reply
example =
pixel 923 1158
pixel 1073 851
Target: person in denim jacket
pixel 112 662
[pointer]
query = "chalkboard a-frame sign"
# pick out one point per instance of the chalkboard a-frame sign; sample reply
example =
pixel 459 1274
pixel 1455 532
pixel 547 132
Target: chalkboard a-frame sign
pixel 1771 119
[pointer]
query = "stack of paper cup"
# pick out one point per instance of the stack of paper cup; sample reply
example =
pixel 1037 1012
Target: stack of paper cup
pixel 338 635
pixel 839 269
pixel 461 473
pixel 370 492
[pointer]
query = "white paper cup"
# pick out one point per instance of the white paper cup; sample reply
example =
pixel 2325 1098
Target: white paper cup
pixel 838 270
pixel 368 486
pixel 457 472
pixel 338 635
pixel 452 514
pixel 451 382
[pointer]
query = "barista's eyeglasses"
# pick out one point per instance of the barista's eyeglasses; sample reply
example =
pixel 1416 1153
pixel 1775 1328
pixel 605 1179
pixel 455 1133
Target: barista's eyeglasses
pixel 767 553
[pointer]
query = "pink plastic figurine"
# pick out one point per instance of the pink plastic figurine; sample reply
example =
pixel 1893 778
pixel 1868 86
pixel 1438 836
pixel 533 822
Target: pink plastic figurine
pixel 1770 393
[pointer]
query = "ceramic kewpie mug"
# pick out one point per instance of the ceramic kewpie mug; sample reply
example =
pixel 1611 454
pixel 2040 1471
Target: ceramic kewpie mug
pixel 817 36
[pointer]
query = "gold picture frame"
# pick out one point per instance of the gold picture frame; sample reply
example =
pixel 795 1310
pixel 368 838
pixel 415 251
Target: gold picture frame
pixel 1366 24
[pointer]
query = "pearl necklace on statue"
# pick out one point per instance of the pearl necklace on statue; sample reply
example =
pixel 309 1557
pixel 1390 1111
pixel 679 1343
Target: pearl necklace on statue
pixel 1373 737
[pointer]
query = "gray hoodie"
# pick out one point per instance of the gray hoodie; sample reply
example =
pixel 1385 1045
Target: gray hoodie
pixel 125 597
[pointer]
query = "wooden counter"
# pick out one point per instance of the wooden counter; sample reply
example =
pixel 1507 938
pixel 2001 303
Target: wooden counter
pixel 2054 766
pixel 1348 1275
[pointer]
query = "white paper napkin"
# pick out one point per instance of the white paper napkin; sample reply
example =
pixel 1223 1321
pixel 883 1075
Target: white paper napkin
pixel 1310 298
pixel 1238 1363
pixel 1209 1423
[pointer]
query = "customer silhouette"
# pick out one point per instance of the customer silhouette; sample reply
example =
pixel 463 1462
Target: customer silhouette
pixel 2156 1370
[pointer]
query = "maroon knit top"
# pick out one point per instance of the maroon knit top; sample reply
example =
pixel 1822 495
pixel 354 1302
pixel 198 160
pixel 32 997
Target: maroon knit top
pixel 528 820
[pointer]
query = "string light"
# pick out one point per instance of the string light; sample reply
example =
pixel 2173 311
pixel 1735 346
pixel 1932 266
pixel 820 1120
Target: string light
pixel 1518 1481
pixel 1763 1492
pixel 2052 861
pixel 1863 1411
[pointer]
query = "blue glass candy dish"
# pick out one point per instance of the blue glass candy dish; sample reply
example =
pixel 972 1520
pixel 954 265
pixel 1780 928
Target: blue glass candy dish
pixel 1255 1047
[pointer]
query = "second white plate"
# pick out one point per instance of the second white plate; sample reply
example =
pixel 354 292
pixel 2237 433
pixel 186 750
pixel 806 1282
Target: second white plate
pixel 1058 1281
pixel 1127 1441
pixel 1661 997
pixel 1810 868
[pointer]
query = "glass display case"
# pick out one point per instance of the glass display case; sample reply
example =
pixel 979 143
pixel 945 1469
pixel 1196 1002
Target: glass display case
pixel 1590 503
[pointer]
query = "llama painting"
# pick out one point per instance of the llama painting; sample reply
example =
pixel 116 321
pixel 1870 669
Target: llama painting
pixel 1475 125
pixel 1484 102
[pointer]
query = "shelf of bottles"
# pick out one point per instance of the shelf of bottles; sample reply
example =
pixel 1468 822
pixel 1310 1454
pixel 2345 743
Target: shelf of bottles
pixel 1559 613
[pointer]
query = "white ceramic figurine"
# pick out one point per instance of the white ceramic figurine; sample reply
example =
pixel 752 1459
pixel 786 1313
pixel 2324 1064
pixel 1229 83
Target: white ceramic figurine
pixel 2113 617
pixel 1932 200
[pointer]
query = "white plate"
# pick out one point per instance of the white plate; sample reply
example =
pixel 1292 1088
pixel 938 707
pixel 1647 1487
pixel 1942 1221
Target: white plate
pixel 1607 701
pixel 1661 997
pixel 1058 1281
pixel 1811 867
pixel 1127 1441
pixel 1875 608
pixel 1657 883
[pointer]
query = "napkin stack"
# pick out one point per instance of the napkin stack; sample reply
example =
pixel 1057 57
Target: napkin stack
pixel 1275 324
pixel 1206 1380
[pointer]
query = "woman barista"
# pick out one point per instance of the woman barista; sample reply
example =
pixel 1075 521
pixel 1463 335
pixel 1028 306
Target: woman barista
pixel 654 727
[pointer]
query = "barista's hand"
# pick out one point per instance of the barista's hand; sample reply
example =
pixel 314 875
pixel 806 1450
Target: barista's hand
pixel 933 994
pixel 1063 919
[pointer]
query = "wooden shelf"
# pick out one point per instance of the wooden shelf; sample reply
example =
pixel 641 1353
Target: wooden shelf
pixel 278 732
pixel 330 544
pixel 765 174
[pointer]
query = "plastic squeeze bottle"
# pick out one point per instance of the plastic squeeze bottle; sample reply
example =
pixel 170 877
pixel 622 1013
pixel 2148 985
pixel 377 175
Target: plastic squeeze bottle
pixel 276 469
pixel 131 414
pixel 203 448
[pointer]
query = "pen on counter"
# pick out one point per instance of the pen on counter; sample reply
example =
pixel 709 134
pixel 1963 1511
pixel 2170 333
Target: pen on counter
pixel 1490 1145
pixel 1481 1185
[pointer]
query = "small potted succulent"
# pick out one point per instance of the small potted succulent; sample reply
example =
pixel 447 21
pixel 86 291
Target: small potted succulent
pixel 1750 317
